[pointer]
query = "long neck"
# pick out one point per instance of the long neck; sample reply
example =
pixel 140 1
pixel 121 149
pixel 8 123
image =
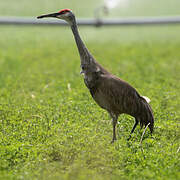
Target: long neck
pixel 83 51
pixel 85 55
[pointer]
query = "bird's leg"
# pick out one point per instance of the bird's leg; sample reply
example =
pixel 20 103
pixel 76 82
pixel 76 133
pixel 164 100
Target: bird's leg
pixel 114 122
pixel 135 124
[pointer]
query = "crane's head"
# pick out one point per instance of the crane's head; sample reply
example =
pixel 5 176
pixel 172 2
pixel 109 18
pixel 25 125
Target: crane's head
pixel 65 14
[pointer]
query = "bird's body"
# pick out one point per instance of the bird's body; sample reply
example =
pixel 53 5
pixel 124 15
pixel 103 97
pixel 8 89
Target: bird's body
pixel 110 92
pixel 118 97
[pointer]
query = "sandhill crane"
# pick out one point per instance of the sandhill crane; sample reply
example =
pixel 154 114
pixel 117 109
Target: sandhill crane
pixel 110 92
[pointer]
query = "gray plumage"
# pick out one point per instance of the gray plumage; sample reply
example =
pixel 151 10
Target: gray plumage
pixel 109 92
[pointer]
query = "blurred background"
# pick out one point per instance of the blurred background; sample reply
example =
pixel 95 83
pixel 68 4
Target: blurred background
pixel 119 8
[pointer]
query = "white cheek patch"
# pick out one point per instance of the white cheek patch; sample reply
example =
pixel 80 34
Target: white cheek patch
pixel 66 14
pixel 62 16
pixel 59 16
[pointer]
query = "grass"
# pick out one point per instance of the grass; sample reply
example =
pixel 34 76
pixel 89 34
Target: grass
pixel 49 131
pixel 50 128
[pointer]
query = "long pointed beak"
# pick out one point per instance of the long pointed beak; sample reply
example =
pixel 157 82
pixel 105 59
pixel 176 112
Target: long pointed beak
pixel 48 15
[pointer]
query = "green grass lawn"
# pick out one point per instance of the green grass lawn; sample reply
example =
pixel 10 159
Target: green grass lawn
pixel 50 127
pixel 50 131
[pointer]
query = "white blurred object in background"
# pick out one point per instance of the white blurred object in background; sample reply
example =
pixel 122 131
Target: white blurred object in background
pixel 113 3
pixel 110 4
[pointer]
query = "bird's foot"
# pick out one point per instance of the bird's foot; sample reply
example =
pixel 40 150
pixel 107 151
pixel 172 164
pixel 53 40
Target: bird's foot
pixel 114 139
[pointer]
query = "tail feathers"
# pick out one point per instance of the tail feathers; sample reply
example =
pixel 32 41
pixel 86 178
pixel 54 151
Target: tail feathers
pixel 146 98
pixel 146 115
